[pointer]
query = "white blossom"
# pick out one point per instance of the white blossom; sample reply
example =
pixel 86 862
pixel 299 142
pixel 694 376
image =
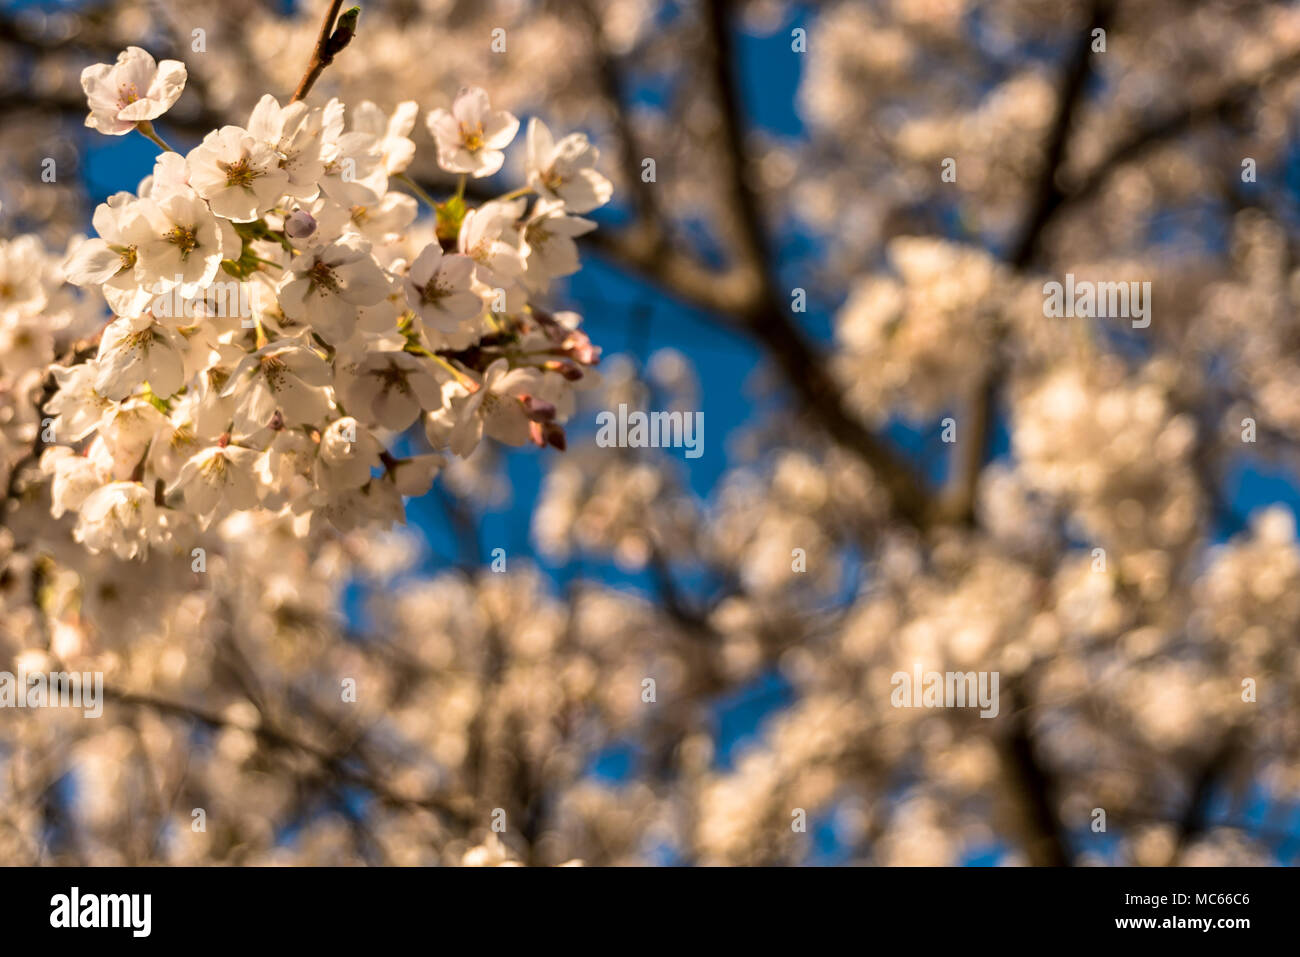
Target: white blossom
pixel 186 243
pixel 326 285
pixel 495 407
pixel 548 236
pixel 347 454
pixel 391 133
pixel 119 518
pixel 240 176
pixel 392 388
pixel 471 136
pixel 287 376
pixel 297 135
pixel 565 171
pixel 273 301
pixel 488 235
pixel 218 479
pixel 439 289
pixel 135 350
pixel 134 89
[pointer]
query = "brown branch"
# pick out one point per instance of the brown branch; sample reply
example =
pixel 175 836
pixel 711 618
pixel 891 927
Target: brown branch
pixel 1047 191
pixel 1045 202
pixel 335 33
pixel 1032 786
pixel 1051 198
pixel 649 219
pixel 1194 820
pixel 1175 124
pixel 743 202
pixel 766 318
pixel 1045 841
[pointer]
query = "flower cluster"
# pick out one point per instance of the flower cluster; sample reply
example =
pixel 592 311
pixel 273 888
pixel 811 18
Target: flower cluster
pixel 281 315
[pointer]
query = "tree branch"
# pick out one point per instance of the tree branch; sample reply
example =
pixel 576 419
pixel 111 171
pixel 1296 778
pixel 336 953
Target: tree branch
pixel 1045 202
pixel 335 33
pixel 332 762
pixel 766 318
pixel 1175 124
pixel 1032 785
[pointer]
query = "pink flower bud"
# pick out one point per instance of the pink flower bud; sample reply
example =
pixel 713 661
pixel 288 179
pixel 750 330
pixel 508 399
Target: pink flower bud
pixel 539 410
pixel 547 433
pixel 577 345
pixel 564 368
pixel 299 224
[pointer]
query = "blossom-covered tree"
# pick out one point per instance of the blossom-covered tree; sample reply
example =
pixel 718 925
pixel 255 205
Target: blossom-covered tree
pixel 347 297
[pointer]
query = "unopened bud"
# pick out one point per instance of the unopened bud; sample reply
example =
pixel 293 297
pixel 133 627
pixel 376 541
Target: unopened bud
pixel 539 410
pixel 555 436
pixel 579 346
pixel 547 433
pixel 299 224
pixel 566 369
pixel 344 30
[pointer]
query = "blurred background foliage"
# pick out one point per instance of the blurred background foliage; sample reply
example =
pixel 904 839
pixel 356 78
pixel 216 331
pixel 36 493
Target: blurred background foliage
pixel 797 146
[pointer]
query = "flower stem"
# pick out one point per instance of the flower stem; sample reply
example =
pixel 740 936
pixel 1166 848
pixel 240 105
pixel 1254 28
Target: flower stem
pixel 146 129
pixel 415 188
pixel 515 194
pixel 460 377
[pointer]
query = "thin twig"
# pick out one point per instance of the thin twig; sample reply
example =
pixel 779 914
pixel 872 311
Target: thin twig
pixel 329 42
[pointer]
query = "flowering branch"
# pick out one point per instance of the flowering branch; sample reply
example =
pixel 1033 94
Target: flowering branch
pixel 345 317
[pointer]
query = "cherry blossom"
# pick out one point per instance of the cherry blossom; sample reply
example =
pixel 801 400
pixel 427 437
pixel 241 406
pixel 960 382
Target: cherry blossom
pixel 471 136
pixel 438 288
pixel 133 90
pixel 497 407
pixel 240 177
pixel 565 171
pixel 393 388
pixel 272 304
pixel 186 243
pixel 327 284
pixel 218 479
pixel 118 517
pixel 132 351
pixel 548 236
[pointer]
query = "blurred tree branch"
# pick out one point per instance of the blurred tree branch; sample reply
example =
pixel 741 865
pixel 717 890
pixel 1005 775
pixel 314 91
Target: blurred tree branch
pixel 335 762
pixel 764 314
